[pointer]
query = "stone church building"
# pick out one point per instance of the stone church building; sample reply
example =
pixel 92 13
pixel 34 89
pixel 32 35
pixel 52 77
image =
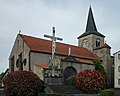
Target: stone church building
pixel 34 54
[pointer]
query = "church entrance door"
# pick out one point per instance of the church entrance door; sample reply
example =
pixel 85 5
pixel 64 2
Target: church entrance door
pixel 69 71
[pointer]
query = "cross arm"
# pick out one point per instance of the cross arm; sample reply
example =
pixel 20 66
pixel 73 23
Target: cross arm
pixel 57 38
pixel 48 36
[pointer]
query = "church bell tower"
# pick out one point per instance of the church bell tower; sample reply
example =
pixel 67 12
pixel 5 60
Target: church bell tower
pixel 91 38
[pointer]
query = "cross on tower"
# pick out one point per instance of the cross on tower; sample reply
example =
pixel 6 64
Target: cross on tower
pixel 53 38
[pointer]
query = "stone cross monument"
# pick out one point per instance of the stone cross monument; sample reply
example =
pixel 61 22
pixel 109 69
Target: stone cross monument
pixel 53 38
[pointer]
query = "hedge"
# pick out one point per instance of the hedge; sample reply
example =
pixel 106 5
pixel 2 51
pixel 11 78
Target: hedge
pixel 22 83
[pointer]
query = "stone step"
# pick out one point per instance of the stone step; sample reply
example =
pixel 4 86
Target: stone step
pixel 62 89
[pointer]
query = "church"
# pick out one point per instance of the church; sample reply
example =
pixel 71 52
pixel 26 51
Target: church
pixel 35 54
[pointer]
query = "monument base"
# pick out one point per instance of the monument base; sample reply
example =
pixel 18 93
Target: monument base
pixel 53 80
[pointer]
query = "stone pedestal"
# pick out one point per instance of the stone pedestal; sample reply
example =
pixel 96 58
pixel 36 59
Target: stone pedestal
pixel 53 80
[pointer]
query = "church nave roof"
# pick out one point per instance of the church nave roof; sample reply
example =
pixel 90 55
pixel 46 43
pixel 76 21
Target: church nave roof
pixel 45 46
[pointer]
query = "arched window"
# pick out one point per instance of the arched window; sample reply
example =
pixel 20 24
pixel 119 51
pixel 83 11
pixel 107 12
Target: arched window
pixel 86 44
pixel 97 42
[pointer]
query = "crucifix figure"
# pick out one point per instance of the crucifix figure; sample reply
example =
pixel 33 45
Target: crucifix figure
pixel 53 38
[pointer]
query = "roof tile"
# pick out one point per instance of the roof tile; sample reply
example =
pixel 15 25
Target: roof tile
pixel 42 45
pixel 87 62
pixel 103 46
pixel 42 65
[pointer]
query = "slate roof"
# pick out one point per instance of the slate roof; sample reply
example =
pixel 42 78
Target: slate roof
pixel 91 26
pixel 42 45
pixel 5 73
pixel 116 52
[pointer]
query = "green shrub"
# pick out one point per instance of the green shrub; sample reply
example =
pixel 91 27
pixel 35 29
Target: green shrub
pixel 91 81
pixel 22 83
pixel 71 81
pixel 99 66
pixel 107 92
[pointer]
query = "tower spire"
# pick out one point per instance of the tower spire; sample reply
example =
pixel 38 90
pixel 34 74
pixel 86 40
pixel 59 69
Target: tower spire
pixel 91 26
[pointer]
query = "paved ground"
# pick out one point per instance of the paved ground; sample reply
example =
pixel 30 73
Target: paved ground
pixel 117 93
pixel 2 93
pixel 64 89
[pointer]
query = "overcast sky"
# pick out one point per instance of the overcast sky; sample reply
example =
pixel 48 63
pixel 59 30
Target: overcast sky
pixel 37 17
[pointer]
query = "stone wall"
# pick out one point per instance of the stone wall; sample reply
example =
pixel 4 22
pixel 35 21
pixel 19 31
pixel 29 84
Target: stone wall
pixel 78 66
pixel 117 70
pixel 105 55
pixel 92 41
pixel 38 58
pixel 19 47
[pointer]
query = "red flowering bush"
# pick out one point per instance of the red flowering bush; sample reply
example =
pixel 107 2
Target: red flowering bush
pixel 22 83
pixel 91 81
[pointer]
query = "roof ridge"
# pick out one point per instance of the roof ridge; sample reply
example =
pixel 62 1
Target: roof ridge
pixel 50 41
pixel 33 37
